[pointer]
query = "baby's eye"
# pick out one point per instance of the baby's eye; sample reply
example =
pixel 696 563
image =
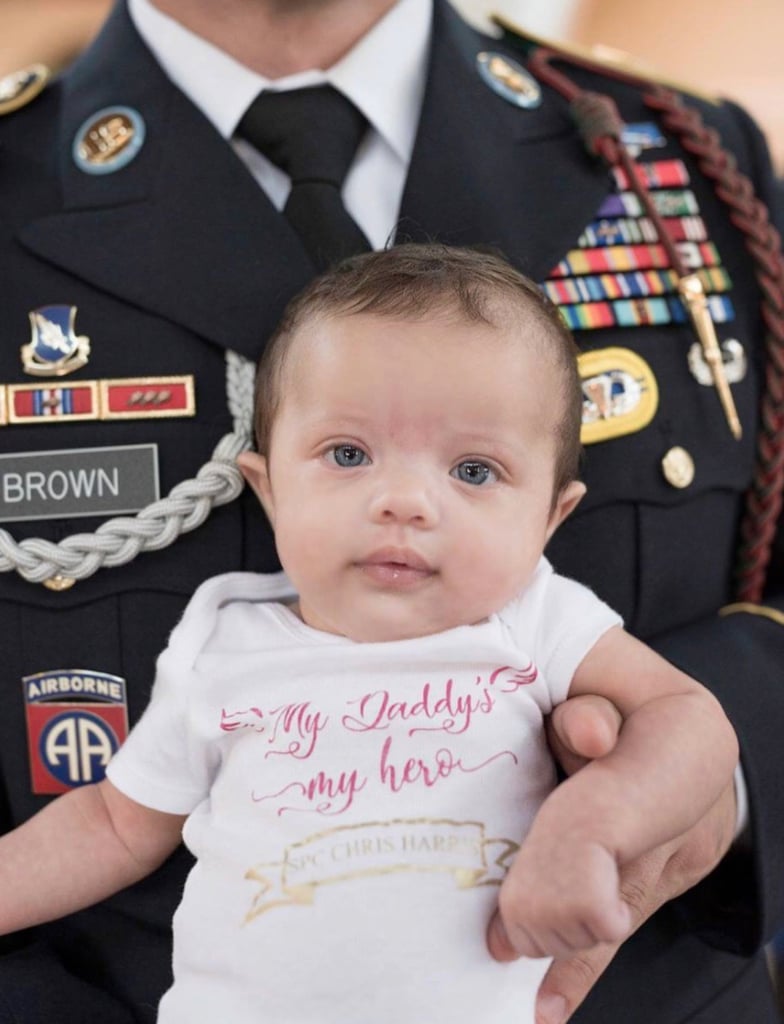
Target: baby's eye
pixel 348 455
pixel 473 472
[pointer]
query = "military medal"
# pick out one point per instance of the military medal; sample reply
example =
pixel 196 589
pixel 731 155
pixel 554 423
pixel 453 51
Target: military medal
pixel 33 403
pixel 621 273
pixel 115 398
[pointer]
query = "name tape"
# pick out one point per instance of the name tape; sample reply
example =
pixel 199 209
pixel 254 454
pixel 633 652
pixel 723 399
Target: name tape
pixel 78 482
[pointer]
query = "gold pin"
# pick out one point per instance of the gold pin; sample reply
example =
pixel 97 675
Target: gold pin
pixel 21 87
pixel 509 79
pixel 108 140
pixel 693 295
pixel 59 583
pixel 678 467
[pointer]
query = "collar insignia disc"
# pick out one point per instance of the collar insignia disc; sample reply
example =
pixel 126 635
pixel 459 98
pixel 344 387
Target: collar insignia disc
pixel 108 140
pixel 509 79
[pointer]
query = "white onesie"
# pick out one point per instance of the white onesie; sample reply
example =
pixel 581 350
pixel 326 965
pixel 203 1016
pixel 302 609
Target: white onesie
pixel 352 807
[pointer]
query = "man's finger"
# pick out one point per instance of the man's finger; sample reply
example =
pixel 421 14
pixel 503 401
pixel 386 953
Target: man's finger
pixel 568 982
pixel 581 729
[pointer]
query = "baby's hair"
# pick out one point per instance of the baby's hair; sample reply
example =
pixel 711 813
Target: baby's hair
pixel 410 281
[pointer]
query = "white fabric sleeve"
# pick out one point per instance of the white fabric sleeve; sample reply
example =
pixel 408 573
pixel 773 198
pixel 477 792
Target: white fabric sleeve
pixel 154 765
pixel 558 621
pixel 164 763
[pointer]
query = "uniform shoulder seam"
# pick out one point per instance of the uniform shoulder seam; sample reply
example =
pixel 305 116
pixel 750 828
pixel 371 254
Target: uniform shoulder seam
pixel 601 58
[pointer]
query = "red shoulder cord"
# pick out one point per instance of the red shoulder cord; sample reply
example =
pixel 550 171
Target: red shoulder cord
pixel 600 124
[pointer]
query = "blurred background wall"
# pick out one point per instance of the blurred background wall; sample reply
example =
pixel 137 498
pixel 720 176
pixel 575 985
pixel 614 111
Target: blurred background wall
pixel 51 32
pixel 718 46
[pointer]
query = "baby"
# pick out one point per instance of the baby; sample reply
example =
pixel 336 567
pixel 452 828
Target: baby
pixel 354 766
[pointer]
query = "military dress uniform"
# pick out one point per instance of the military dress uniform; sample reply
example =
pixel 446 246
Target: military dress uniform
pixel 176 258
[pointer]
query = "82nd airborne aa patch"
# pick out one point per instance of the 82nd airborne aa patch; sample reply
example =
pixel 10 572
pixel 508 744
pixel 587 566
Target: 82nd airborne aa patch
pixel 76 720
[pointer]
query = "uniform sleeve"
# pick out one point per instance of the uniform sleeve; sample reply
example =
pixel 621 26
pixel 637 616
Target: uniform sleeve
pixel 740 658
pixel 36 986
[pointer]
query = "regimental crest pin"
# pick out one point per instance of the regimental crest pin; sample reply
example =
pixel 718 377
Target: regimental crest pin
pixel 509 79
pixel 55 349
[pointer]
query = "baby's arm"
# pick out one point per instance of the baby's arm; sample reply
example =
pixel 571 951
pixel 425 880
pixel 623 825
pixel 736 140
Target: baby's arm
pixel 565 883
pixel 79 849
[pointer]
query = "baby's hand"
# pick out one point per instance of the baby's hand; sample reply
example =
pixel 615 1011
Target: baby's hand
pixel 563 897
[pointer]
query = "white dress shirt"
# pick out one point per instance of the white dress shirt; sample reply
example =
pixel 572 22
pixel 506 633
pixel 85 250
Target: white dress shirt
pixel 383 75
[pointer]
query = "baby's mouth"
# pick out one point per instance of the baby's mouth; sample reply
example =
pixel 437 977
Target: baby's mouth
pixel 396 567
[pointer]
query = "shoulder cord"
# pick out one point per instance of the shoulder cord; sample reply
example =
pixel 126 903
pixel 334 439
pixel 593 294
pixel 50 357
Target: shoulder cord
pixel 187 505
pixel 600 124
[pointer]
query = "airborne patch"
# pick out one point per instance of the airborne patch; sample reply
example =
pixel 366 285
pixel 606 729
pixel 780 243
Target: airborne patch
pixel 76 720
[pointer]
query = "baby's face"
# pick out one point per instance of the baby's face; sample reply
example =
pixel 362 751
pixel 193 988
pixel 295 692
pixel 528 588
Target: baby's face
pixel 410 473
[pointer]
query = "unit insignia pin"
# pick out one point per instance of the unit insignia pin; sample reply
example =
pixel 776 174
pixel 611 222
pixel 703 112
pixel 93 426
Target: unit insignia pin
pixel 509 79
pixel 20 87
pixel 108 140
pixel 620 393
pixel 54 349
pixel 733 357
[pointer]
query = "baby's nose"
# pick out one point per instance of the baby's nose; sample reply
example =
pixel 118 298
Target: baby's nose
pixel 405 497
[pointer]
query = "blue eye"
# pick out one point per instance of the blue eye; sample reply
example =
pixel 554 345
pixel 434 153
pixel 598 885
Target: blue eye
pixel 348 456
pixel 472 472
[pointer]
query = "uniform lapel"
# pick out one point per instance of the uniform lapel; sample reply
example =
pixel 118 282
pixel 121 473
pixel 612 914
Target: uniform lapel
pixel 484 168
pixel 220 260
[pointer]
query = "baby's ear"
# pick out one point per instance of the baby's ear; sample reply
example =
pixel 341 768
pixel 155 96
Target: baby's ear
pixel 254 468
pixel 566 502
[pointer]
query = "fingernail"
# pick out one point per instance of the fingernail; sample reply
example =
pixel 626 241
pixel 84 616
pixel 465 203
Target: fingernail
pixel 550 1009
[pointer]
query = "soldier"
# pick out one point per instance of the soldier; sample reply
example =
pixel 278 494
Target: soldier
pixel 147 249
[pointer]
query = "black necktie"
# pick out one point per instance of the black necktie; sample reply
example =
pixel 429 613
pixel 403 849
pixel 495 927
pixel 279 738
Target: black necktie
pixel 311 135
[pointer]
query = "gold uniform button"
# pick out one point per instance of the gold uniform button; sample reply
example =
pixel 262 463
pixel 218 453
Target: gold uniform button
pixel 58 582
pixel 678 467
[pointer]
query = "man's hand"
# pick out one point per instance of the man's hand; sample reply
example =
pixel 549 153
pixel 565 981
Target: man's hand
pixel 581 729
